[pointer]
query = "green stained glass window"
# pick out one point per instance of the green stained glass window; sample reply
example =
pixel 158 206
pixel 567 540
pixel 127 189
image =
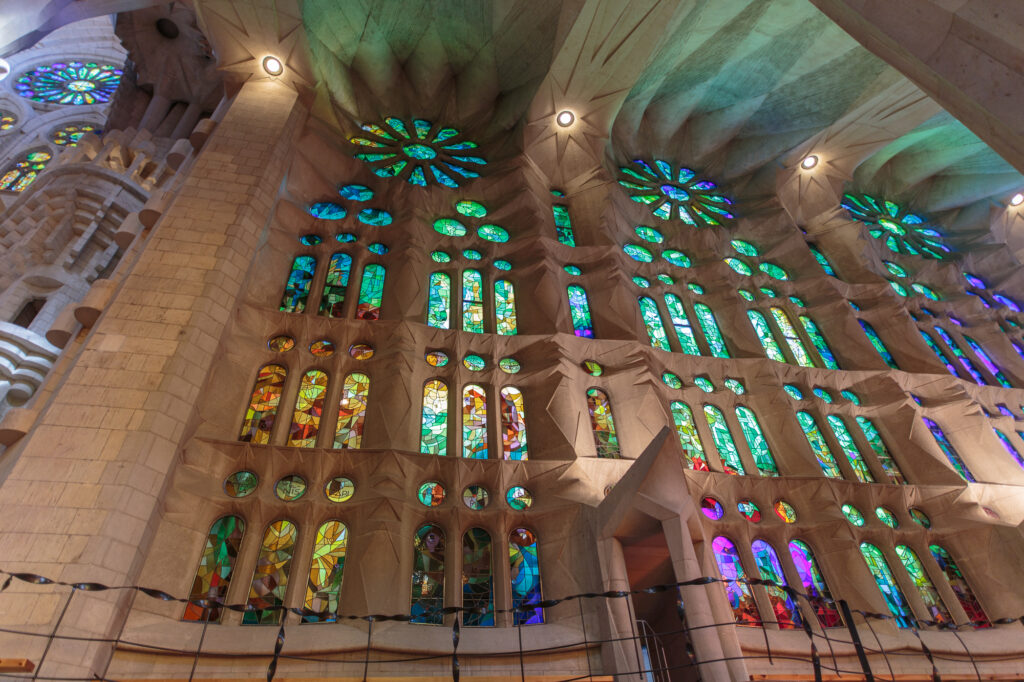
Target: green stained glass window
pixel 853 515
pixel 736 386
pixel 502 265
pixel 505 319
pixel 927 292
pixel 822 260
pixel 899 288
pixel 440 257
pixel 472 301
pixel 216 566
pixel 492 233
pixel 524 572
pixel 513 424
pixel 474 363
pixel 649 234
pixel 1007 445
pixel 592 368
pixel 876 341
pixel 575 271
pixel 296 291
pixel 773 271
pixel 509 365
pixel 796 345
pixel 704 384
pixel 737 590
pixel 262 409
pixel 851 396
pixel 745 248
pixel 814 584
pixel 681 323
pixel 668 192
pixel 671 380
pixel 326 570
pixel 965 361
pixel 450 227
pixel 641 282
pixel 756 442
pixel 793 392
pixel 920 517
pixel 474 422
pixel 428 576
pixel 822 393
pixel 930 342
pixel 21 172
pixel 371 293
pixel 893 268
pixel 241 484
pixel 471 209
pixel 892 470
pixel 434 423
pixel 739 266
pixel 439 301
pixel 824 351
pixel 327 210
pixel 846 442
pixel 270 579
pixel 695 288
pixel 798 302
pixel 677 258
pixel 346 237
pixel 818 445
pixel 712 333
pixel 689 439
pixel 960 588
pixel 472 254
pixel 355 192
pixel 745 295
pixel 352 411
pixel 887 517
pixel 602 424
pixel 374 216
pixel 579 307
pixel 900 230
pixel 377 248
pixel 731 462
pixel 769 567
pixel 937 611
pixel 638 253
pixel 563 225
pixel 519 498
pixel 770 293
pixel 948 450
pixel 764 335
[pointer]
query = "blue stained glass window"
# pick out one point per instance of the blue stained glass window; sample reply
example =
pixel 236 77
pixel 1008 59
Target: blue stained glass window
pixel 947 449
pixel 930 342
pixel 960 355
pixel 822 260
pixel 579 307
pixel 296 291
pixel 652 322
pixel 827 357
pixel 371 293
pixel 1008 446
pixel 987 361
pixel 737 590
pixel 439 301
pixel 887 585
pixel 327 210
pixel 524 571
pixel 876 341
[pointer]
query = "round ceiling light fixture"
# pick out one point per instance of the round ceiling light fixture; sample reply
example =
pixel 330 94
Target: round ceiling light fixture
pixel 565 118
pixel 1017 199
pixel 809 162
pixel 5 69
pixel 273 66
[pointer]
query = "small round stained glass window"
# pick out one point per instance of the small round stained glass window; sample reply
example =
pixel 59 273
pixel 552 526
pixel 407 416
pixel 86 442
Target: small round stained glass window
pixel 476 497
pixel 739 266
pixel 886 517
pixel 450 227
pixel 322 348
pixel 492 233
pixel 641 282
pixel 7 120
pixel 327 210
pixel 773 271
pixel 793 392
pixel 430 494
pixel 361 351
pixel 797 301
pixel 440 257
pixel 340 489
pixel 745 295
pixel 355 192
pixel 241 483
pixel 853 514
pixel 502 265
pixel 592 367
pixel 920 517
pixel 472 254
pixel 822 393
pixel 346 237
pixel 573 270
pixel 851 396
pixel 711 508
pixel 377 248
pixel 649 234
pixel 770 293
pixel 474 363
pixel 509 365
pixel 695 288
pixel 519 498
pixel 671 380
pixel 374 216
pixel 749 511
pixel 471 209
pixel 638 253
pixel 311 239
pixel 290 488
pixel 436 358
pixel 736 386
pixel 69 135
pixel 745 248
pixel 704 384
pixel 281 344
pixel 677 258
pixel 784 510
pixel 665 279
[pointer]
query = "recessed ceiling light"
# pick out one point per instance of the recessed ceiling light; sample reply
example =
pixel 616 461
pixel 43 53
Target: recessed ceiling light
pixel 809 162
pixel 1017 199
pixel 273 66
pixel 565 118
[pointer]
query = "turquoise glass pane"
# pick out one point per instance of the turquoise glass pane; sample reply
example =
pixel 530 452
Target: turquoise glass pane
pixel 796 345
pixel 731 462
pixel 961 356
pixel 712 334
pixel 846 442
pixel 756 442
pixel 439 301
pixel 937 611
pixel 818 444
pixel 891 592
pixel 524 573
pixel 652 322
pixel 930 342
pixel 822 260
pixel 563 225
pixel 888 462
pixel 948 450
pixel 296 290
pixel 681 323
pixel 689 439
pixel 876 341
pixel 472 301
pixel 827 357
pixel 371 293
pixel 764 335
pixel 505 320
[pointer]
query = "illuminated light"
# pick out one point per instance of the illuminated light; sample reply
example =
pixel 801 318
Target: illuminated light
pixel 565 118
pixel 273 66
pixel 809 162
pixel 1016 200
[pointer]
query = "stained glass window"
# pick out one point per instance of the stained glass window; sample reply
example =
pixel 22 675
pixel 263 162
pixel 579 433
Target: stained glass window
pixel 937 610
pixel 638 253
pixel 738 593
pixel 965 361
pixel 328 210
pixel 786 613
pixel 69 135
pixel 393 150
pixel 827 357
pixel 352 411
pixel 7 120
pixel 817 442
pixel 846 442
pixel 948 450
pixel 684 330
pixel 652 322
pixel 773 271
pixel 326 569
pixel 1008 446
pixel 891 592
pixel 987 361
pixel 889 465
pixel 731 462
pixel 309 407
pixel 815 588
pixel 474 422
pixel 524 571
pixel 692 197
pixel 439 301
pixel 876 341
pixel 296 291
pixel 477 578
pixel 472 301
pixel 822 260
pixel 900 230
pixel 513 423
pixel 371 293
pixel 266 394
pixel 434 424
pixel 504 308
pixel 332 303
pixel 75 83
pixel 216 565
pixel 603 424
pixel 689 439
pixel 756 442
pixel 803 358
pixel 270 579
pixel 930 342
pixel 428 576
pixel 436 358
pixel 709 326
pixel 739 266
pixel 764 334
pixel 563 224
pixel 961 589
pixel 580 309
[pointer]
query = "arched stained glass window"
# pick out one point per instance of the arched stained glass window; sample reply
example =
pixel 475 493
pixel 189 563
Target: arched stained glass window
pixel 352 411
pixel 217 563
pixel 712 333
pixel 371 293
pixel 948 450
pixel 815 587
pixel 434 424
pixel 730 456
pixel 309 407
pixel 332 303
pixel 738 593
pixel 786 613
pixel 756 442
pixel 930 342
pixel 513 423
pixel 891 592
pixel 296 291
pixel 524 572
pixel 689 439
pixel 827 357
pixel 892 470
pixel 474 422
pixel 961 589
pixel 846 442
pixel 803 358
pixel 652 322
pixel 504 307
pixel 477 578
pixel 428 576
pixel 876 341
pixel 580 309
pixel 684 330
pixel 818 444
pixel 266 395
pixel 987 361
pixel 472 301
pixel 822 260
pixel 270 579
pixel 965 361
pixel 603 424
pixel 563 224
pixel 22 172
pixel 439 301
pixel 1008 446
pixel 937 610
pixel 764 335
pixel 326 569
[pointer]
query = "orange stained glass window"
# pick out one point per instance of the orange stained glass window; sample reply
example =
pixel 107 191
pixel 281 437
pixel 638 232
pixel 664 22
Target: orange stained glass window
pixel 266 395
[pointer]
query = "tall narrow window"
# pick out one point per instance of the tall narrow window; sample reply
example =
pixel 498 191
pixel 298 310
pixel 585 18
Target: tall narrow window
pixel 602 424
pixel 524 572
pixel 371 293
pixel 332 303
pixel 948 450
pixel 563 225
pixel 434 424
pixel 764 335
pixel 309 407
pixel 689 439
pixel 930 342
pixel 803 358
pixel 723 440
pixel 889 465
pixel 965 361
pixel 786 613
pixel 472 301
pixel 681 323
pixel 474 422
pixel 756 442
pixel 352 411
pixel 213 577
pixel 1008 446
pixel 652 322
pixel 846 442
pixel 266 395
pixel 740 598
pixel 513 424
pixel 815 587
pixel 827 357
pixel 270 579
pixel 712 333
pixel 505 321
pixel 428 576
pixel 891 592
pixel 24 170
pixel 439 301
pixel 817 442
pixel 296 291
pixel 987 361
pixel 937 611
pixel 822 260
pixel 477 578
pixel 580 309
pixel 961 589
pixel 326 569
pixel 876 342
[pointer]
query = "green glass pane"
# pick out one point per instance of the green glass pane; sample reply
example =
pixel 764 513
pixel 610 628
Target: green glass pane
pixel 730 456
pixel 450 227
pixel 818 445
pixel 472 301
pixel 471 209
pixel 937 611
pixel 681 323
pixel 796 345
pixel 739 266
pixel 846 442
pixel 712 334
pixel 764 335
pixel 689 439
pixel 773 271
pixel 649 234
pixel 638 253
pixel 671 380
pixel 602 424
pixel 439 301
pixel 652 322
pixel 824 351
pixel 745 248
pixel 756 441
pixel 505 308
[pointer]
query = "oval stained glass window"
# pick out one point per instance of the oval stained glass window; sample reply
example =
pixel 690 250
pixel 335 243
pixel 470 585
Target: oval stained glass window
pixel 695 288
pixel 502 265
pixel 773 271
pixel 310 239
pixel 797 301
pixel 340 489
pixel 665 279
pixel 745 248
pixel 886 517
pixel 241 483
pixel 430 494
pixel 853 514
pixel 471 209
pixel 361 351
pixel 374 216
pixel 472 254
pixel 492 233
pixel 770 293
pixel 327 210
pixel 474 363
pixel 519 498
pixel 927 292
pixel 322 348
pixel 346 237
pixel 920 517
pixel 784 510
pixel 377 248
pixel 897 270
pixel 450 227
pixel 290 488
pixel 641 282
pixel 736 386
pixel 671 380
pixel 745 295
pixel 509 365
pixel 823 394
pixel 677 258
pixel 638 253
pixel 704 384
pixel 649 234
pixel 355 192
pixel 436 358
pixel 440 257
pixel 711 508
pixel 739 266
pixel 281 344
pixel 749 511
pixel 573 270
pixel 793 392
pixel 592 367
pixel 476 497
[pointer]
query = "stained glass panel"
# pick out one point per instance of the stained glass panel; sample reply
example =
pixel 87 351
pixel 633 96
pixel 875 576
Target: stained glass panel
pixel 1008 446
pixel 602 423
pixel 434 424
pixel 74 83
pixel 961 589
pixel 815 588
pixel 764 334
pixel 827 357
pixel 563 225
pixel 504 308
pixel 948 450
pixel 930 342
pixel 513 424
pixel 786 613
pixel 987 361
pixel 796 345
pixel 738 593
pixel 371 293
pixel 352 411
pixel 524 571
pixel 756 442
pixel 477 578
pixel 472 301
pixel 817 442
pixel 428 576
pixel 580 309
pixel 439 300
pixel 266 394
pixel 961 356
pixel 309 407
pixel 709 326
pixel 474 422
pixel 937 610
pixel 888 462
pixel 891 592
pixel 730 456
pixel 822 260
pixel 849 446
pixel 326 569
pixel 215 567
pixel 652 322
pixel 689 439
pixel 876 341
pixel 680 322
pixel 296 291
pixel 270 579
